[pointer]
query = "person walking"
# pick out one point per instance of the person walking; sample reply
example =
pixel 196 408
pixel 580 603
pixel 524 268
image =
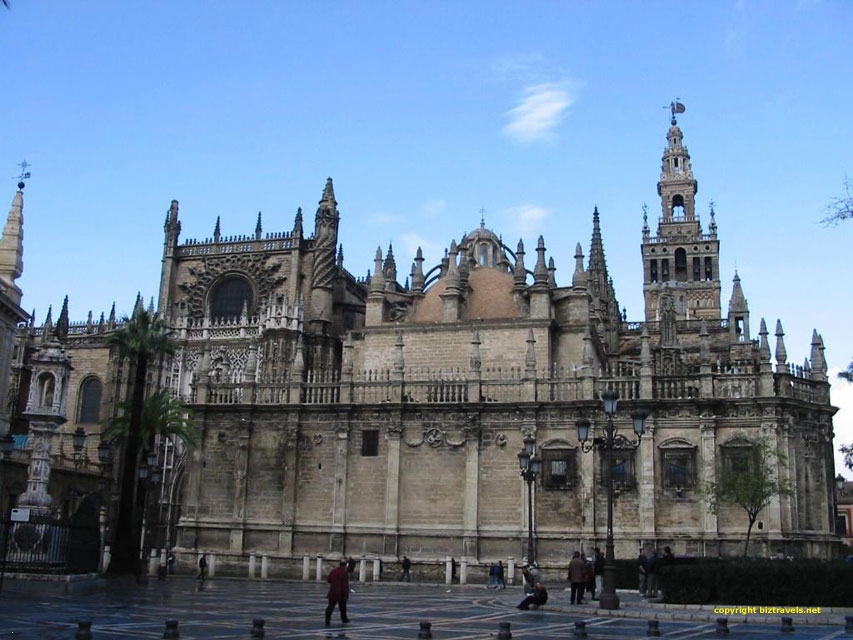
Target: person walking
pixel 577 578
pixel 642 565
pixel 598 566
pixel 350 567
pixel 501 575
pixel 590 577
pixel 202 568
pixel 537 598
pixel 652 573
pixel 338 592
pixel 407 566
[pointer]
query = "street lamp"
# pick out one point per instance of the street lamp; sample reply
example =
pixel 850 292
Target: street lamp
pixel 530 466
pixel 839 482
pixel 78 442
pixel 611 440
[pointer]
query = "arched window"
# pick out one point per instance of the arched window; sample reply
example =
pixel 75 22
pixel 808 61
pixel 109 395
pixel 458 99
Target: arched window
pixel 680 265
pixel 89 405
pixel 484 256
pixel 678 206
pixel 228 297
pixel 47 386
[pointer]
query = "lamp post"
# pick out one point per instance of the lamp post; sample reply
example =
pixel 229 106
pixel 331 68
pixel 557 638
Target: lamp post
pixel 7 444
pixel 530 466
pixel 78 441
pixel 611 441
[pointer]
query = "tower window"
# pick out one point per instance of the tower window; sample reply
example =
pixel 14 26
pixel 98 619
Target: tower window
pixel 484 255
pixel 90 401
pixel 228 297
pixel 680 265
pixel 709 269
pixel 678 205
pixel 653 270
pixel 664 264
pixel 697 269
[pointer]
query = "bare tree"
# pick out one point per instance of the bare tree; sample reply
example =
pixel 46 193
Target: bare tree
pixel 840 208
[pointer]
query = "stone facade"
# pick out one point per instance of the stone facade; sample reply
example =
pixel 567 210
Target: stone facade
pixel 346 416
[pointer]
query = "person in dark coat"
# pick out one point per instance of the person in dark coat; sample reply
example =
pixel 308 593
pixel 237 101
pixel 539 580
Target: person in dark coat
pixel 501 576
pixel 350 567
pixel 537 598
pixel 407 567
pixel 577 577
pixel 338 592
pixel 202 567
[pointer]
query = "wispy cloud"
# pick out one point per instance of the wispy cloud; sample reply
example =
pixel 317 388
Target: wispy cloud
pixel 380 218
pixel 526 218
pixel 411 241
pixel 540 110
pixel 434 206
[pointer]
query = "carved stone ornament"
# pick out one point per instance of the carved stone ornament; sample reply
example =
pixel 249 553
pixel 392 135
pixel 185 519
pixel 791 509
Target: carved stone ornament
pixel 291 437
pixel 435 438
pixel 394 431
pixel 264 277
pixel 501 440
pixel 317 439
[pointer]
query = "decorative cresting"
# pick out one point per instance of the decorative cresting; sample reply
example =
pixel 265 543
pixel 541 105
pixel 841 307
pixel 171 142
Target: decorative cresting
pixel 435 438
pixel 253 266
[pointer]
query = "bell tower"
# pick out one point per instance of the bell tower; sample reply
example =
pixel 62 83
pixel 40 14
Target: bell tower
pixel 680 260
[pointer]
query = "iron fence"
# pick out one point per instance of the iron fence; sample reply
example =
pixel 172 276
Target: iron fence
pixel 48 545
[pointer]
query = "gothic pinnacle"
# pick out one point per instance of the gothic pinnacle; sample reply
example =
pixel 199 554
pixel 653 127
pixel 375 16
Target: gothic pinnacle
pixel 552 279
pixel 297 223
pixel 579 276
pixel 217 231
pixel 61 330
pixel 328 193
pixel 540 272
pixel 781 353
pixel 259 229
pixel 764 344
pixel 520 273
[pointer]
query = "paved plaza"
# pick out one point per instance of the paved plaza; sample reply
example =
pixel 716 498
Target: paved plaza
pixel 225 609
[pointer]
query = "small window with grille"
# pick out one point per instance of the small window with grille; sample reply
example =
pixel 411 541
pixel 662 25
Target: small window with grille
pixel 558 468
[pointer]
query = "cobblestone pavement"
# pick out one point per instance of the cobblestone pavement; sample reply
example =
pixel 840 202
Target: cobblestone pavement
pixel 225 609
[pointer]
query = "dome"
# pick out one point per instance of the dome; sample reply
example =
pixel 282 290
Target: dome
pixel 490 297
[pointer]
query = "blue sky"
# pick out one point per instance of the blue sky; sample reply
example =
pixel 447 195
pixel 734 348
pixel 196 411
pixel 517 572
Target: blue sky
pixel 425 113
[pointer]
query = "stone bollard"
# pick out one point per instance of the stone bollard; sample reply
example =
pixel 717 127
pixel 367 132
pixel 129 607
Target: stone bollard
pixel 362 570
pixel 580 629
pixel 211 565
pixel 171 629
pixel 252 566
pixel 504 632
pixel 306 567
pixel 463 571
pixel 152 563
pixel 510 571
pixel 722 627
pixel 425 631
pixel 265 566
pixel 84 630
pixel 376 573
pixel 848 626
pixel 318 576
pixel 107 558
pixel 654 629
pixel 448 570
pixel 787 625
pixel 257 628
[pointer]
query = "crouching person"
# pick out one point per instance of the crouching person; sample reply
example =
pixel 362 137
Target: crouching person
pixel 537 598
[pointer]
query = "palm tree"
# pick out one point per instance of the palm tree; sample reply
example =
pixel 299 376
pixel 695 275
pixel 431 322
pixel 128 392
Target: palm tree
pixel 141 337
pixel 162 415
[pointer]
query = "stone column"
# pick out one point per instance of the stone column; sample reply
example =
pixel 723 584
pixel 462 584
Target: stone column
pixel 36 496
pixel 472 490
pixel 288 495
pixel 646 481
pixel 318 576
pixel 241 476
pixel 306 567
pixel 362 570
pixel 393 435
pixel 772 513
pixel 339 509
pixel 265 566
pixel 708 475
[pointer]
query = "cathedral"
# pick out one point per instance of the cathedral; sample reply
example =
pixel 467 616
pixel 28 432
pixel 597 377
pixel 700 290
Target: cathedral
pixel 382 416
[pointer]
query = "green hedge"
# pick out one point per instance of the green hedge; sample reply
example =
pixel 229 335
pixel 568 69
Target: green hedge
pixel 759 582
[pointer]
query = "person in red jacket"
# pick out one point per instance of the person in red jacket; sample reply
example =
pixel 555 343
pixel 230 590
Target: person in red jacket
pixel 338 592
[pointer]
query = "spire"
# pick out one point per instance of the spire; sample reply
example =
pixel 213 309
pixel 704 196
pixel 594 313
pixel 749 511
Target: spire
pixel 48 323
pixel 418 272
pixel 552 279
pixel 217 231
pixel 101 323
pixel 138 306
pixel 464 267
pixel 597 262
pixel 579 277
pixel 327 211
pixel 818 364
pixel 340 258
pixel 520 273
pixel 377 282
pixel 390 265
pixel 737 302
pixel 12 245
pixel 259 228
pixel 297 223
pixel 328 193
pixel 764 344
pixel 704 342
pixel 61 330
pixel 172 227
pixel 151 306
pixel 712 227
pixel 781 354
pixel 112 319
pixel 540 272
pixel 452 270
pixel 90 325
pixel 646 230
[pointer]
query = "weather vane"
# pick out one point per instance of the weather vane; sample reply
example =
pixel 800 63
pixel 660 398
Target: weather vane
pixel 482 213
pixel 675 107
pixel 25 175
